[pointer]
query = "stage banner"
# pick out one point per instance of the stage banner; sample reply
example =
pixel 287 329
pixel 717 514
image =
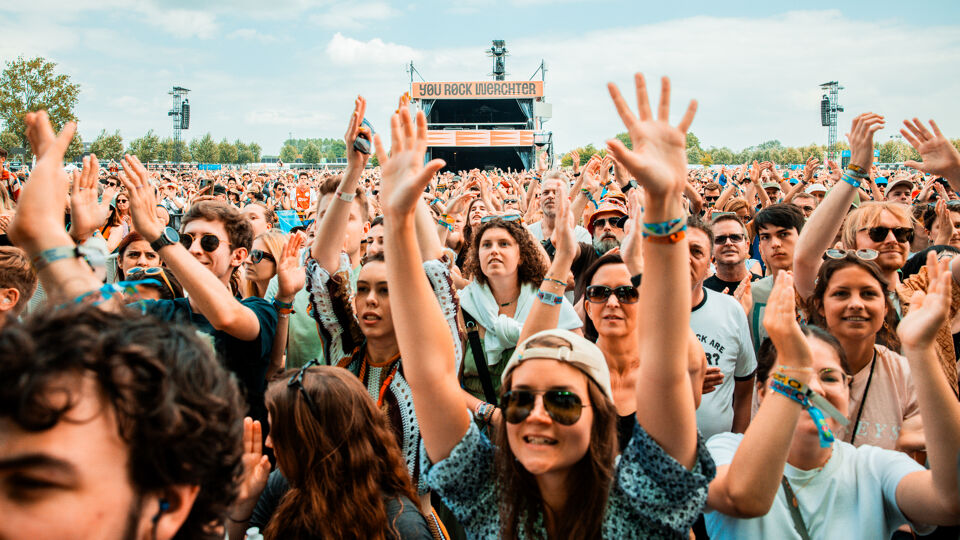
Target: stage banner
pixel 480 137
pixel 477 90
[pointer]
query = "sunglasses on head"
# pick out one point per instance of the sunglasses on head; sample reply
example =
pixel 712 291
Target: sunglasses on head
pixel 879 234
pixel 862 254
pixel 208 242
pixel 733 238
pixel 153 271
pixel 296 382
pixel 258 255
pixel 626 294
pixel 615 222
pixel 562 406
pixel 511 217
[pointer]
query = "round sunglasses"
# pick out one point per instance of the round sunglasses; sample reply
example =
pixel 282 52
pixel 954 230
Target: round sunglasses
pixel 563 406
pixel 208 242
pixel 626 294
pixel 258 255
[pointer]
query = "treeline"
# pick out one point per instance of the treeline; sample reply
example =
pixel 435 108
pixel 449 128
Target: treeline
pixel 151 147
pixel 312 150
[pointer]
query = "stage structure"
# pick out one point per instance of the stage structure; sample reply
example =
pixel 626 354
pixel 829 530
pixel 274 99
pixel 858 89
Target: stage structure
pixel 485 124
pixel 829 107
pixel 180 112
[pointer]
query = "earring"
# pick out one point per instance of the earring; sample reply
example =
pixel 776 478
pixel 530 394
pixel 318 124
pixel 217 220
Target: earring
pixel 164 506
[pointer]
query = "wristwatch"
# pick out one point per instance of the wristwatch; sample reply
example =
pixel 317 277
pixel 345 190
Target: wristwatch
pixel 168 237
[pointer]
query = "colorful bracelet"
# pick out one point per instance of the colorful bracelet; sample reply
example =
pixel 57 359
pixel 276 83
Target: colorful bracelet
pixel 282 305
pixel 663 228
pixel 856 168
pixel 668 239
pixel 856 174
pixel 549 298
pixel 823 430
pixel 851 180
pixel 557 281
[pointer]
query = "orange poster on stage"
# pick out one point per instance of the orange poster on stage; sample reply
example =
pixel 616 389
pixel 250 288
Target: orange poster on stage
pixel 477 90
pixel 480 138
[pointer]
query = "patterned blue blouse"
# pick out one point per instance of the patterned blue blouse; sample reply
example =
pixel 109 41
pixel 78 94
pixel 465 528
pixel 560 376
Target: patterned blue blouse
pixel 652 495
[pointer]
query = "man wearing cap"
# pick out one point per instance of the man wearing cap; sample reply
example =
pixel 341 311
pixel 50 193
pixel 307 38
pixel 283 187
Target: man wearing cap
pixel 172 204
pixel 773 191
pixel 900 191
pixel 817 190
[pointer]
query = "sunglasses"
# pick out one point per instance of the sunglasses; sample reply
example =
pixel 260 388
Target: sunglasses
pixel 615 222
pixel 879 234
pixel 562 406
pixel 711 198
pixel 208 242
pixel 122 201
pixel 509 201
pixel 862 254
pixel 297 382
pixel 154 271
pixel 109 184
pixel 511 217
pixel 733 238
pixel 258 255
pixel 626 294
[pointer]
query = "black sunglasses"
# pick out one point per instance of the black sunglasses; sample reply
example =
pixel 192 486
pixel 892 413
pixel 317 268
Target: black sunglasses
pixel 722 239
pixel 258 255
pixel 562 406
pixel 208 242
pixel 109 184
pixel 626 294
pixel 297 382
pixel 615 222
pixel 711 198
pixel 879 234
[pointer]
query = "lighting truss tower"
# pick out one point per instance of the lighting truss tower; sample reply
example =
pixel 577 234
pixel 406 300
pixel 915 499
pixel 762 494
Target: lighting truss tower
pixel 829 107
pixel 180 112
pixel 499 53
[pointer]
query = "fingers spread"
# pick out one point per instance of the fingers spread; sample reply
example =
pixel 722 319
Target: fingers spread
pixel 663 110
pixel 643 99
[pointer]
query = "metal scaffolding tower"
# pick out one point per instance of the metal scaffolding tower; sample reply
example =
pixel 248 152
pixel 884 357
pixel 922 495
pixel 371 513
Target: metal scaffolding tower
pixel 829 107
pixel 499 53
pixel 180 111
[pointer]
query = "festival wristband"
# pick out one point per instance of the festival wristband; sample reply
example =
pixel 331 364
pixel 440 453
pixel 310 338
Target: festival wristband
pixel 823 430
pixel 668 239
pixel 345 197
pixel 107 291
pixel 814 398
pixel 664 228
pixel 91 256
pixel 549 298
pixel 282 305
pixel 557 281
pixel 851 180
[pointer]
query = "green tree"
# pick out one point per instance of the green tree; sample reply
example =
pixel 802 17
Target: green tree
pixel 694 152
pixel 625 139
pixel 31 85
pixel 706 159
pixel 226 152
pixel 204 150
pixel 256 151
pixel 790 156
pixel 108 146
pixel 147 148
pixel 311 154
pixel 244 155
pixel 167 151
pixel 289 153
pixel 9 139
pixel 723 156
pixel 75 150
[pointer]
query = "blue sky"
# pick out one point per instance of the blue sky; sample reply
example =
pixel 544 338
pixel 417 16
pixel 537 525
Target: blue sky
pixel 262 70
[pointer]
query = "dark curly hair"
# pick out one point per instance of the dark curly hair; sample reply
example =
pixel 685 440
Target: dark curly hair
pixel 177 409
pixel 589 480
pixel 530 269
pixel 887 335
pixel 340 466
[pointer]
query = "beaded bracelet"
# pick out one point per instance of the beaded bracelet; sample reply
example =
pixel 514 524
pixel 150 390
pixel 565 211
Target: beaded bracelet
pixel 663 228
pixel 557 281
pixel 549 298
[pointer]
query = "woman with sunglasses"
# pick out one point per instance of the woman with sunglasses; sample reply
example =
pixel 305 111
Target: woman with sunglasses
pixel 340 473
pixel 261 263
pixel 550 469
pixel 851 302
pixel 830 488
pixel 118 222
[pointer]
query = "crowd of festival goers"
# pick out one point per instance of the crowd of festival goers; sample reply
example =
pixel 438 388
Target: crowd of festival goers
pixel 626 348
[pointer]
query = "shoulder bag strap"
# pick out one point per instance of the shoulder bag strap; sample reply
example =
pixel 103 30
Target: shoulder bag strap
pixel 479 358
pixel 794 506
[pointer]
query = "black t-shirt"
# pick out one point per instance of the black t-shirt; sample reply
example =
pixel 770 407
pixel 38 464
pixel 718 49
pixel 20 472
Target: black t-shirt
pixel 401 511
pixel 625 426
pixel 247 359
pixel 716 284
pixel 588 256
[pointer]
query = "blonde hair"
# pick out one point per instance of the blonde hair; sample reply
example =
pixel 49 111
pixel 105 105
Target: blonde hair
pixel 868 215
pixel 274 241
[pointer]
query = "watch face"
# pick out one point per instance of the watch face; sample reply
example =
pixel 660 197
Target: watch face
pixel 171 235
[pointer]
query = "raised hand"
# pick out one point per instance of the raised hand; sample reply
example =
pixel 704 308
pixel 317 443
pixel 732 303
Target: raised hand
pixel 356 158
pixel 810 168
pixel 38 222
pixel 143 200
pixel 631 248
pixel 861 139
pixel 290 274
pixel 256 467
pixel 939 156
pixel 944 222
pixel 928 311
pixel 835 172
pixel 575 158
pixel 658 160
pixel 541 163
pixel 86 213
pixel 755 171
pixel 744 294
pixel 780 320
pixel 563 236
pixel 404 175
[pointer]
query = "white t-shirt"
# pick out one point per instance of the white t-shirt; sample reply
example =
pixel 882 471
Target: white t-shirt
pixel 721 326
pixel 581 234
pixel 853 497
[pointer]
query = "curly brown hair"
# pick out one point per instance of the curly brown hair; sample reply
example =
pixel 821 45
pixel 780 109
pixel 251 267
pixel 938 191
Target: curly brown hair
pixel 590 479
pixel 887 334
pixel 339 466
pixel 532 267
pixel 177 409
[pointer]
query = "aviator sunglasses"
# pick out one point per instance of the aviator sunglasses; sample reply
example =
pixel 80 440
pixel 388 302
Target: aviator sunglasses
pixel 626 294
pixel 208 242
pixel 562 406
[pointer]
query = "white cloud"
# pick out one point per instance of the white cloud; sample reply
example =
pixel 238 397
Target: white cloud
pixel 347 16
pixel 183 23
pixel 348 51
pixel 249 34
pixel 286 118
